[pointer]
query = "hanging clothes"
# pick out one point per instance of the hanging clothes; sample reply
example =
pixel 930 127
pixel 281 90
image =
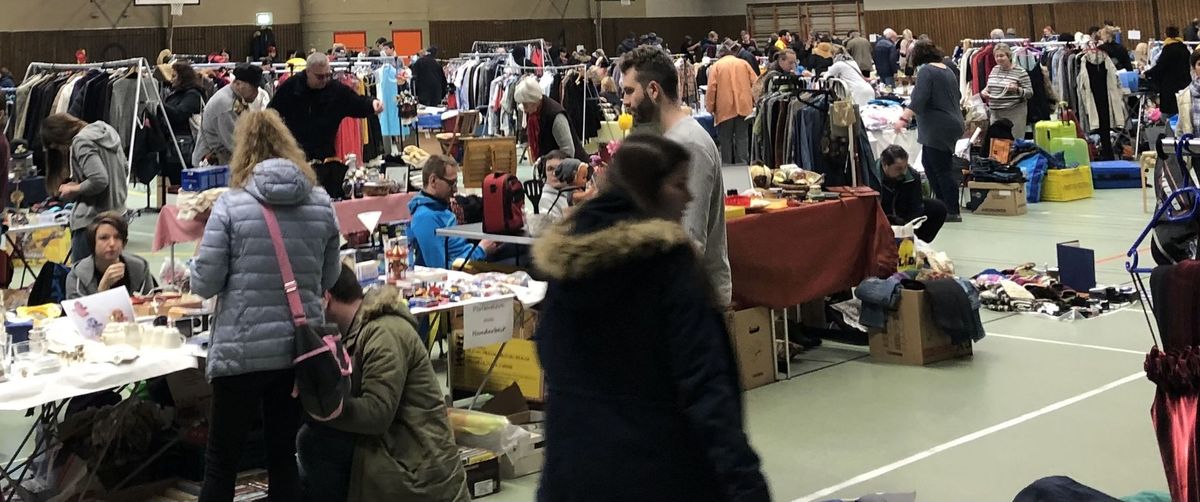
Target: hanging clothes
pixel 386 91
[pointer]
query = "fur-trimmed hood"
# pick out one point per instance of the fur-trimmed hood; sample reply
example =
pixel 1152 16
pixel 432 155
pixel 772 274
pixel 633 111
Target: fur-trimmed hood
pixel 564 254
pixel 383 301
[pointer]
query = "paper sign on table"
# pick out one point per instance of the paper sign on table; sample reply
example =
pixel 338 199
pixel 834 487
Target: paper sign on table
pixel 91 313
pixel 487 323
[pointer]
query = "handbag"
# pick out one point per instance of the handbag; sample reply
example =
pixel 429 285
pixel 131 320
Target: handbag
pixel 322 364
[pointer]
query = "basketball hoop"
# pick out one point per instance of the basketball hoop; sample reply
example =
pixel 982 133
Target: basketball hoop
pixel 176 5
pixel 177 9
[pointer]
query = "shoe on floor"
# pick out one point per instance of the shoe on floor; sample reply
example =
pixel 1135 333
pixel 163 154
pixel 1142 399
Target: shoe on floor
pixel 954 218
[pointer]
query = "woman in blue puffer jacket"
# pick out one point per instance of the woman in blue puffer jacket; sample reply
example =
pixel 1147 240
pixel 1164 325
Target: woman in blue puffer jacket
pixel 250 356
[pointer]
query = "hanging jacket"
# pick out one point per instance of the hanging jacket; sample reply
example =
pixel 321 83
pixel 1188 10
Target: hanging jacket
pixel 403 448
pixel 252 326
pixel 99 165
pixel 430 80
pixel 1087 100
pixel 676 401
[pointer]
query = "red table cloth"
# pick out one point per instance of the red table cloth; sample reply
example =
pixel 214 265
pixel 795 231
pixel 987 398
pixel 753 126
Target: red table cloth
pixel 170 230
pixel 786 258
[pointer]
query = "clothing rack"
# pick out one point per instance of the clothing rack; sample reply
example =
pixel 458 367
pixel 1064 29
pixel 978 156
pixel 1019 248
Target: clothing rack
pixel 540 42
pixel 979 42
pixel 142 67
pixel 205 66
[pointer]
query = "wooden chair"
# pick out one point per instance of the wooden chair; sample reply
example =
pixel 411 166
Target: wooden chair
pixel 466 123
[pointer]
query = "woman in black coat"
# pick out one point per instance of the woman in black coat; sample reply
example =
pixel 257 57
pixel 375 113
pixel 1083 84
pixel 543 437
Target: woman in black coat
pixel 645 402
pixel 1171 73
pixel 185 102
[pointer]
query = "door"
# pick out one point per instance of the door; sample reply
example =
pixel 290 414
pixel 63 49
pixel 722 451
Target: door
pixel 355 41
pixel 408 43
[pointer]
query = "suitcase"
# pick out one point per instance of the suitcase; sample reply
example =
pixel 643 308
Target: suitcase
pixel 1075 151
pixel 503 204
pixel 1047 130
pixel 1116 174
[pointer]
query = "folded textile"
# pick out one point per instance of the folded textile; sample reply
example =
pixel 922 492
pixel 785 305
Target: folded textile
pixel 952 311
pixel 878 296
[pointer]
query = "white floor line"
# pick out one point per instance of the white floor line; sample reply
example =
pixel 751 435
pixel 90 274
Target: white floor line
pixel 862 478
pixel 1070 344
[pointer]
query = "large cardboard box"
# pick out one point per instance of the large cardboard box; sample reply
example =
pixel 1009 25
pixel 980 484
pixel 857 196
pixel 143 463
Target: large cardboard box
pixel 999 199
pixel 750 332
pixel 911 337
pixel 518 363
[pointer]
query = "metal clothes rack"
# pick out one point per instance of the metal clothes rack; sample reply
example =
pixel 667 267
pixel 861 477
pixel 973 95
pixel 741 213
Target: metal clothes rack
pixel 204 66
pixel 143 67
pixel 979 42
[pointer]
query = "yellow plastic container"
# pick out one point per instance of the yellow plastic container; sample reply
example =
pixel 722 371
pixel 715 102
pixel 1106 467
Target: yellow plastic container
pixel 1065 185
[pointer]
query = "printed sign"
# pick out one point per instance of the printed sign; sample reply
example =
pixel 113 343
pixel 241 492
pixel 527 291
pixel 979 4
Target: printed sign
pixel 1135 34
pixel 487 323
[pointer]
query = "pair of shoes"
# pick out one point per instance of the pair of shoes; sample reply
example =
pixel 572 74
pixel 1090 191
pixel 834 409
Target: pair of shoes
pixel 954 218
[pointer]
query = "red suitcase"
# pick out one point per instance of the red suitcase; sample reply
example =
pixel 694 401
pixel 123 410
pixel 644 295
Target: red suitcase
pixel 503 204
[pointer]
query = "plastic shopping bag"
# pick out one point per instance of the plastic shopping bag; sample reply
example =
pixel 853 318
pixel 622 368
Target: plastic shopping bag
pixel 906 244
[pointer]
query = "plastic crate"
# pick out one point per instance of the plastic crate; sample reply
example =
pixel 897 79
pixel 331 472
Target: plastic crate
pixel 431 121
pixel 1065 185
pixel 1047 130
pixel 200 179
pixel 1074 150
pixel 1116 174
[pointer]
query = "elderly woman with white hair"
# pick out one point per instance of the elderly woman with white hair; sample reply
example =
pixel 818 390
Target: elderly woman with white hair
pixel 1008 91
pixel 546 122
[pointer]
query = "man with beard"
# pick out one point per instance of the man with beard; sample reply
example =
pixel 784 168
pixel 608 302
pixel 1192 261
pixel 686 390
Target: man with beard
pixel 651 87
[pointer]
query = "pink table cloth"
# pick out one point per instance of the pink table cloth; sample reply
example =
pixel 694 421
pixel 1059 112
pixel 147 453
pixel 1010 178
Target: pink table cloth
pixel 170 230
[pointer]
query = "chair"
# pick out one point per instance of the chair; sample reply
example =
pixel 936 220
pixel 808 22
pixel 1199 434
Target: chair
pixel 533 190
pixel 465 125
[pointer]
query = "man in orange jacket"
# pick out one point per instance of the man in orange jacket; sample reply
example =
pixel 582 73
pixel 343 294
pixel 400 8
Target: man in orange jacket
pixel 730 99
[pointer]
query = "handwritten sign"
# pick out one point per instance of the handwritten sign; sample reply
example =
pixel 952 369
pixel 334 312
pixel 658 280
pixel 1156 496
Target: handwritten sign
pixel 487 323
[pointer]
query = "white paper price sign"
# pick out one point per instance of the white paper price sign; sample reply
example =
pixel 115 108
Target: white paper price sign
pixel 487 323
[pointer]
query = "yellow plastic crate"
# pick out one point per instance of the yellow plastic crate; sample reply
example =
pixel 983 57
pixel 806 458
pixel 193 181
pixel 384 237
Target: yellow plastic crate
pixel 1065 185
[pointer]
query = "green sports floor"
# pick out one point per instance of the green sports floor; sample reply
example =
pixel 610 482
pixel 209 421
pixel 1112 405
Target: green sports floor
pixel 1039 397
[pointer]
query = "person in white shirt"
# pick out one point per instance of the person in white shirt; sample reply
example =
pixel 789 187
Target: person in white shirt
pixel 846 70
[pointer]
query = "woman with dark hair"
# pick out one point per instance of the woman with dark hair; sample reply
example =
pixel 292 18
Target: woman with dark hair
pixel 110 266
pixel 677 401
pixel 935 101
pixel 185 106
pixel 97 175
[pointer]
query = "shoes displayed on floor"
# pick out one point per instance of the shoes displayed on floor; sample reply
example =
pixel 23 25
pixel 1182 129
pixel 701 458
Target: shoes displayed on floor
pixel 954 218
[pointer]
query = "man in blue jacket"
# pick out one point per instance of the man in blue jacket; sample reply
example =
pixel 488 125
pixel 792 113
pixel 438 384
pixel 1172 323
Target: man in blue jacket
pixel 431 210
pixel 887 57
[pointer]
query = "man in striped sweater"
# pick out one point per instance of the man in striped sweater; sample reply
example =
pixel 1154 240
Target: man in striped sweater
pixel 1008 91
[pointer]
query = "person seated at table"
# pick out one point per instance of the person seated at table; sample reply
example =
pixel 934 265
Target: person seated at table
pixel 431 211
pixel 566 180
pixel 394 416
pixel 109 266
pixel 902 197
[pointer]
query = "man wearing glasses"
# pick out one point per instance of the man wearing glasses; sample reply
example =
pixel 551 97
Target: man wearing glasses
pixel 313 107
pixel 431 210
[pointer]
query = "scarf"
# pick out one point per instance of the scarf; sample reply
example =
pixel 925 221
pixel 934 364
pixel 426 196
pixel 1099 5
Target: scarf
pixel 533 131
pixel 1170 41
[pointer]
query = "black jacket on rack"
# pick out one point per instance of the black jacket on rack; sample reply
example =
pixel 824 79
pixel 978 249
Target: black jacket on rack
pixel 314 115
pixel 1119 55
pixel 430 80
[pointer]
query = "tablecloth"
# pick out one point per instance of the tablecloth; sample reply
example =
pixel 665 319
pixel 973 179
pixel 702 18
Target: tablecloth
pixel 394 207
pixel 794 256
pixel 79 379
pixel 906 139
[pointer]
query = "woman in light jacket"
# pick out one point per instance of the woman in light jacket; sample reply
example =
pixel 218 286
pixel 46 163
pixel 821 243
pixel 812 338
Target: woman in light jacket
pixel 250 356
pixel 1189 99
pixel 98 172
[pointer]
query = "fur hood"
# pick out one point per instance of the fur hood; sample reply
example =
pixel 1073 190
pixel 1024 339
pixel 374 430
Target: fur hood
pixel 563 254
pixel 383 301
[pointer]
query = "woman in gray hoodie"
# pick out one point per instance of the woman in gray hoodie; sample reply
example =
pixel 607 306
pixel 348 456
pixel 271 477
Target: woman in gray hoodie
pixel 250 354
pixel 97 181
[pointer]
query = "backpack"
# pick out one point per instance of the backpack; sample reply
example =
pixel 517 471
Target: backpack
pixel 323 366
pixel 503 204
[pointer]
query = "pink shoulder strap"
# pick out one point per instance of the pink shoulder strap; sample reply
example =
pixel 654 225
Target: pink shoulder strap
pixel 290 289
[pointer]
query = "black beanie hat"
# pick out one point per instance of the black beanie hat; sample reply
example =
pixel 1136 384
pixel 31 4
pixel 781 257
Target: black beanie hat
pixel 248 73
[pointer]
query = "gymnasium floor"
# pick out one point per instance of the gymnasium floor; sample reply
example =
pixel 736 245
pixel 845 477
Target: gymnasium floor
pixel 1039 397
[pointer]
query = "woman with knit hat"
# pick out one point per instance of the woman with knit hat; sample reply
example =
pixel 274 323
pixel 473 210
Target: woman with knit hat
pixel 546 122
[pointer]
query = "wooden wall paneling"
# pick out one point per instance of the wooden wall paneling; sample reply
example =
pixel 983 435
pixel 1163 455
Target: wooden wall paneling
pixel 1176 13
pixel 951 25
pixel 454 37
pixel 1043 15
pixel 1128 14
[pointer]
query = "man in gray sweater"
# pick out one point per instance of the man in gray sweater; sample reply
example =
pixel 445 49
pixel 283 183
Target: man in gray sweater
pixel 222 111
pixel 652 93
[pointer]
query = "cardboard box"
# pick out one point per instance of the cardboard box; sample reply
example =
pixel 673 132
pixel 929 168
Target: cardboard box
pixel 999 199
pixel 518 364
pixel 911 337
pixel 750 333
pixel 528 459
pixel 483 471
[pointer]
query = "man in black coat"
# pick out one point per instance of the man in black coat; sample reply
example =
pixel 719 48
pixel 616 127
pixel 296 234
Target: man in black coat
pixel 1192 33
pixel 902 194
pixel 1171 73
pixel 313 107
pixel 429 78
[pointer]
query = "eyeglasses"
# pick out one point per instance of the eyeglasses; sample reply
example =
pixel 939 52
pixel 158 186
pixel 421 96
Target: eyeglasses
pixel 451 182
